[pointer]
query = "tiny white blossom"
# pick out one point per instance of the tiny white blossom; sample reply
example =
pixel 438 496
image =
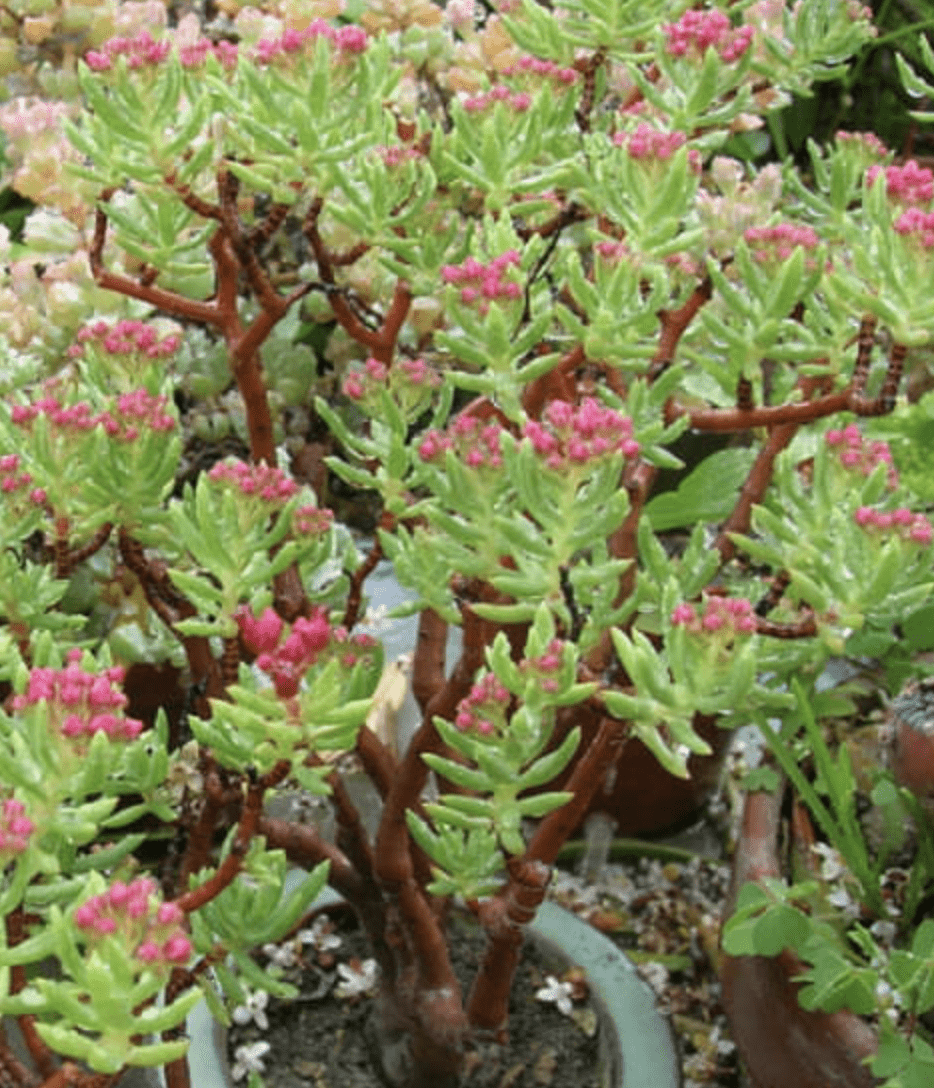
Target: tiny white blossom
pixel 320 937
pixel 249 1059
pixel 883 931
pixel 832 867
pixel 842 900
pixel 282 955
pixel 556 993
pixel 656 975
pixel 254 1009
pixel 355 982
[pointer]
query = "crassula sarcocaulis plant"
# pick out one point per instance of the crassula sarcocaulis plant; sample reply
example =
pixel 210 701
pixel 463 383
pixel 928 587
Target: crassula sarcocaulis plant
pixel 522 240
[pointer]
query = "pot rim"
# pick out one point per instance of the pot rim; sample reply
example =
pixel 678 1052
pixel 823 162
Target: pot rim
pixel 642 1053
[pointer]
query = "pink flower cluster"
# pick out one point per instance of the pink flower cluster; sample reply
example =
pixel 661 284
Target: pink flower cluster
pixel 777 243
pixel 150 929
pixel 415 374
pixel 484 283
pixel 483 711
pixel 396 154
pixel 546 69
pixel 901 522
pixel 518 101
pixel 856 454
pixel 15 829
pixel 285 662
pixel 908 184
pixel 475 441
pixel 255 481
pixel 352 649
pixel 612 251
pixel 347 39
pixel 569 435
pixel 12 481
pixel 546 666
pixel 125 338
pixel 80 703
pixel 649 143
pixel 195 54
pixel 311 520
pixel 703 30
pixel 359 382
pixel 137 411
pixel 130 414
pixel 728 616
pixel 140 52
pixel 918 225
pixel 868 142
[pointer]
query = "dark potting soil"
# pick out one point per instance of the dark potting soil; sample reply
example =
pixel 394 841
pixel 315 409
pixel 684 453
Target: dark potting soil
pixel 319 1040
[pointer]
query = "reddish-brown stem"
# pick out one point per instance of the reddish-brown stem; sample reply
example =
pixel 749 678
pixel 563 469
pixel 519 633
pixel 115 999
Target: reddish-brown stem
pixel 12 1070
pixel 380 765
pixel 231 864
pixel 729 420
pixel 759 477
pixel 504 918
pixel 204 313
pixel 865 340
pixel 885 401
pixel 68 1075
pixel 380 342
pixel 305 847
pixel 230 661
pixel 94 545
pixel 753 489
pixel 39 1051
pixel 588 775
pixel 428 664
pixel 170 606
pixel 805 628
pixel 557 384
pixel 674 322
pixel 200 841
pixel 359 576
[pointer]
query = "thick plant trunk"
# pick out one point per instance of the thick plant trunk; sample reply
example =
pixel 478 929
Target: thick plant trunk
pixel 416 1044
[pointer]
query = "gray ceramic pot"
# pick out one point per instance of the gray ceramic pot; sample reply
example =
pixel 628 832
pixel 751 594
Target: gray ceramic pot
pixel 638 1048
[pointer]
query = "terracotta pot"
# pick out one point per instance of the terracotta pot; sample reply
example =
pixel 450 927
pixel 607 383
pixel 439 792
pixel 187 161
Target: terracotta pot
pixel 638 1048
pixel 913 740
pixel 642 797
pixel 781 1044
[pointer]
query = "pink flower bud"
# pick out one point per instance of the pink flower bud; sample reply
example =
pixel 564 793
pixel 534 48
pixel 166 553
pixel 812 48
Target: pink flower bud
pixel 177 949
pixel 149 952
pixel 260 635
pixel 683 614
pixel 169 914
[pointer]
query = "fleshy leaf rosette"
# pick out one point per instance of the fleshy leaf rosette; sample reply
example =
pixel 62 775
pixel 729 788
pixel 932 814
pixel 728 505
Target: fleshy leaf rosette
pixel 91 460
pixel 857 558
pixel 67 727
pixel 306 695
pixel 116 949
pixel 499 761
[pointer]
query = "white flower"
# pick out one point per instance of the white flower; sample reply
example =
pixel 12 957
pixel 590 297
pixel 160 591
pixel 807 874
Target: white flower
pixel 282 955
pixel 556 993
pixel 249 1059
pixel 320 936
pixel 254 1009
pixel 832 867
pixel 357 981
pixel 656 975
